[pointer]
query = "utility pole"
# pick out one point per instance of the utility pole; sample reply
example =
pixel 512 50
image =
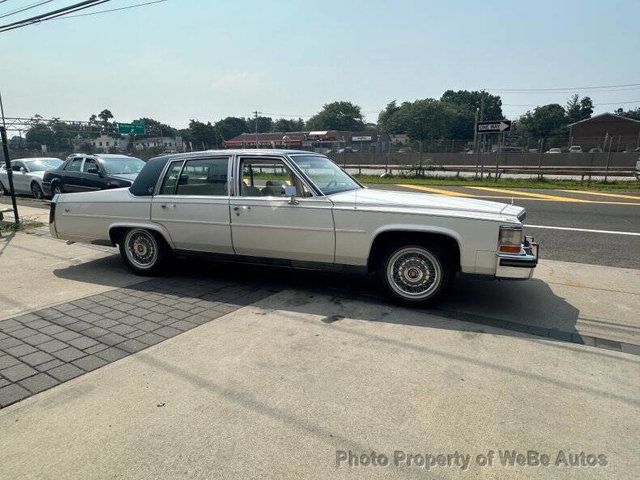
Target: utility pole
pixel 7 162
pixel 256 114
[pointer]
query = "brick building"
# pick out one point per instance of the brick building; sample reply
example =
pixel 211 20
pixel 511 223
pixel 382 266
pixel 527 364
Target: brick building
pixel 595 131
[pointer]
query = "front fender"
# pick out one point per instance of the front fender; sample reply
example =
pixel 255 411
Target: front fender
pixel 417 228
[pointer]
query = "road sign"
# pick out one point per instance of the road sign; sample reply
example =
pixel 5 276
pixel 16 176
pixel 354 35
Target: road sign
pixel 494 126
pixel 135 128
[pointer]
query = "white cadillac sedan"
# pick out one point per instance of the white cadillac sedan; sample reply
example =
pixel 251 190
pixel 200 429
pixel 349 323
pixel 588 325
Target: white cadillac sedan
pixel 27 175
pixel 299 209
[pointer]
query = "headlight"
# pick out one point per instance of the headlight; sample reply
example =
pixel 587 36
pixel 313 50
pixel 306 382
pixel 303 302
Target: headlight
pixel 510 239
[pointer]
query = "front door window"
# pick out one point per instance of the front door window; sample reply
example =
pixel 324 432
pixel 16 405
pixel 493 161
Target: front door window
pixel 267 178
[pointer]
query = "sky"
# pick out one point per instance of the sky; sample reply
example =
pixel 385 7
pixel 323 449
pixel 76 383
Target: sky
pixel 205 60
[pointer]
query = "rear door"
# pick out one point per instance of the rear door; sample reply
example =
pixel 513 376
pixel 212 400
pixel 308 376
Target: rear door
pixel 72 175
pixel 193 204
pixel 20 178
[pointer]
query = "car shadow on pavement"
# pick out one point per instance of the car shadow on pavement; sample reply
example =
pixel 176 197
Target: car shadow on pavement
pixel 512 307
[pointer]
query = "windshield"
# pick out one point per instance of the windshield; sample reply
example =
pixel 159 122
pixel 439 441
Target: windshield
pixel 122 165
pixel 43 164
pixel 325 174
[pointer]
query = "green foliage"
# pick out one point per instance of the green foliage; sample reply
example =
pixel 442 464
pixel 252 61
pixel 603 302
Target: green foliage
pixel 427 119
pixel 285 125
pixel 634 114
pixel 202 135
pixel 231 127
pixel 578 109
pixel 337 116
pixel 489 105
pixel 545 121
pixel 265 124
pixel 155 128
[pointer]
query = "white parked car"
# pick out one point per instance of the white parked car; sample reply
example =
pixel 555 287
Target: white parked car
pixel 575 149
pixel 553 150
pixel 27 175
pixel 299 209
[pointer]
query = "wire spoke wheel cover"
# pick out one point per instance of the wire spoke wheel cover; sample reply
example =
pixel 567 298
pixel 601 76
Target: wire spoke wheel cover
pixel 141 248
pixel 414 273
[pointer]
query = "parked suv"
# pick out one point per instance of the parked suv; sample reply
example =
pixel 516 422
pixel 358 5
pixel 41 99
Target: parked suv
pixel 82 172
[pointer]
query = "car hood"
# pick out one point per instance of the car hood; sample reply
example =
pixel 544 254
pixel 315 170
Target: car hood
pixel 125 176
pixel 419 202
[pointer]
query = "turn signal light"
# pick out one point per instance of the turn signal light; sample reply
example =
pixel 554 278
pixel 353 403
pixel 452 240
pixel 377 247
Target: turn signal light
pixel 510 240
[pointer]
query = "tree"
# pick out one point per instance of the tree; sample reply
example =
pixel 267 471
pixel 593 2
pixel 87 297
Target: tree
pixel 337 116
pixel 545 121
pixel 578 109
pixel 231 127
pixel 265 124
pixel 202 135
pixel 40 134
pixel 155 128
pixel 489 105
pixel 105 115
pixel 634 114
pixel 427 119
pixel 285 125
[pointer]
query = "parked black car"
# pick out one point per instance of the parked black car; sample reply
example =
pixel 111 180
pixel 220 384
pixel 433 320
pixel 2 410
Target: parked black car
pixel 82 172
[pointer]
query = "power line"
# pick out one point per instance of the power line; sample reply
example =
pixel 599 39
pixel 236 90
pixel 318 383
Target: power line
pixel 561 89
pixel 112 10
pixel 50 15
pixel 28 7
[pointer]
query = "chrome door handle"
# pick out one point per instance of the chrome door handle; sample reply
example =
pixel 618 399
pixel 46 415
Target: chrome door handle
pixel 237 209
pixel 164 205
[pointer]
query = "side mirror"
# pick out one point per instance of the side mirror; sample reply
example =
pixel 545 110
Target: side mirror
pixel 95 171
pixel 23 170
pixel 291 192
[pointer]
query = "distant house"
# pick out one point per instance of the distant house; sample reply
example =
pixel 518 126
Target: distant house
pixel 107 143
pixel 593 132
pixel 171 144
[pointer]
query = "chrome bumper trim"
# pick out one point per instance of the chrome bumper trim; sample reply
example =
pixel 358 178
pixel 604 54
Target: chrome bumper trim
pixel 518 266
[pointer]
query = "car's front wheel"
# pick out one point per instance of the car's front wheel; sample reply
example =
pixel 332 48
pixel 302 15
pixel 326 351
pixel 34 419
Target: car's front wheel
pixel 143 251
pixel 415 274
pixel 3 191
pixel 36 191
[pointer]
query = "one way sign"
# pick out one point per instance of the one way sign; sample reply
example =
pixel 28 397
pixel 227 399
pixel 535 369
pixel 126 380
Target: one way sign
pixel 493 126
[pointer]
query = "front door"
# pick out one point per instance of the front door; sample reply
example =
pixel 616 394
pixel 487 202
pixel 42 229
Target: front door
pixel 265 224
pixel 193 205
pixel 20 178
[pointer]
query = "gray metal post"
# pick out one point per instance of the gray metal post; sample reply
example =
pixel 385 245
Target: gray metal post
pixel 7 162
pixel 606 171
pixel 540 149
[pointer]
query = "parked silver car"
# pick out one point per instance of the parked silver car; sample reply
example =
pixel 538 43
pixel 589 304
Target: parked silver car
pixel 27 175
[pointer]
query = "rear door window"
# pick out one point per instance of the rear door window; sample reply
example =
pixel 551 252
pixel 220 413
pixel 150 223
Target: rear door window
pixel 170 180
pixel 204 177
pixel 74 165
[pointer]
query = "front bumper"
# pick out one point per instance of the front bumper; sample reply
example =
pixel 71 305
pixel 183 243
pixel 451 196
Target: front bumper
pixel 518 266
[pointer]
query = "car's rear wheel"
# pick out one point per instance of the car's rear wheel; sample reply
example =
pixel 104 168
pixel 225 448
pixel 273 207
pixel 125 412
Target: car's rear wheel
pixel 36 191
pixel 414 273
pixel 56 189
pixel 143 251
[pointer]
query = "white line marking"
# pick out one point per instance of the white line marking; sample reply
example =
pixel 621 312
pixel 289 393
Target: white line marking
pixel 588 230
